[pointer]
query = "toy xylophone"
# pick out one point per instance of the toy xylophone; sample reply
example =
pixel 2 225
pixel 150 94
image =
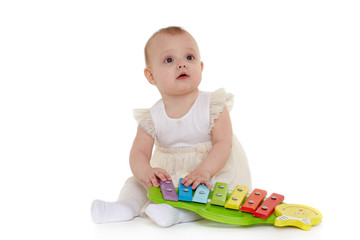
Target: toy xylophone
pixel 236 207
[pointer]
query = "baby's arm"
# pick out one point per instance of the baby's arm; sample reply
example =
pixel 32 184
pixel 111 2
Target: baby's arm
pixel 140 155
pixel 221 137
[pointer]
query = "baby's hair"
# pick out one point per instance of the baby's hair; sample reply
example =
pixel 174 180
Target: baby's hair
pixel 173 30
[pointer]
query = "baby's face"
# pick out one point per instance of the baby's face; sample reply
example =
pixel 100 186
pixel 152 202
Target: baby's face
pixel 174 64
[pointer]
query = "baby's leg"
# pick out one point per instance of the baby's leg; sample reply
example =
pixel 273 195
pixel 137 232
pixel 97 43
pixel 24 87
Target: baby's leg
pixel 166 215
pixel 131 199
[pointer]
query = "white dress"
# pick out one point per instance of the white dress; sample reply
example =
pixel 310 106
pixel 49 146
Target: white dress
pixel 181 144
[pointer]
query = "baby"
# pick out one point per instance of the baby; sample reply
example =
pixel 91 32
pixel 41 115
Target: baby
pixel 191 131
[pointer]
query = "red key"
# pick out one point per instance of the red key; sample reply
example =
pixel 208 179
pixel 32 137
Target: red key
pixel 268 206
pixel 253 201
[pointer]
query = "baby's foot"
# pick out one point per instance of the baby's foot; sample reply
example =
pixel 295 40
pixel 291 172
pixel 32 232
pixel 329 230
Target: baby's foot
pixel 166 215
pixel 106 212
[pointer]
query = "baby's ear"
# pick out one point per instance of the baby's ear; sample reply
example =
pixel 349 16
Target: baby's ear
pixel 149 76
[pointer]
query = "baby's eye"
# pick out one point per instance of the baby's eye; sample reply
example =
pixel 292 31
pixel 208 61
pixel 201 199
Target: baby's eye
pixel 169 60
pixel 190 57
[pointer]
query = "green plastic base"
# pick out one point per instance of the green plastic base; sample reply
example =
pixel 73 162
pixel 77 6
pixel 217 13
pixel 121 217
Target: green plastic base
pixel 212 212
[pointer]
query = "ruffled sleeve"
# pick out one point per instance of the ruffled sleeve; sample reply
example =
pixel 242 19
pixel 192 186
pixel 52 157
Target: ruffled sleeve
pixel 218 100
pixel 145 121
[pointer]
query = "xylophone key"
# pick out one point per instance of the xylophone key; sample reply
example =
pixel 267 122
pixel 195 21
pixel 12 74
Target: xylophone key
pixel 269 205
pixel 168 190
pixel 219 194
pixel 253 201
pixel 201 194
pixel 185 193
pixel 237 197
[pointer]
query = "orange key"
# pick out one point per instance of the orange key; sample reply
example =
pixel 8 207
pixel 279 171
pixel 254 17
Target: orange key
pixel 253 201
pixel 269 205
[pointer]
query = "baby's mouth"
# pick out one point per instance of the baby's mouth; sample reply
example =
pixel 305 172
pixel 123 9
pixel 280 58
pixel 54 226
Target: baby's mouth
pixel 182 76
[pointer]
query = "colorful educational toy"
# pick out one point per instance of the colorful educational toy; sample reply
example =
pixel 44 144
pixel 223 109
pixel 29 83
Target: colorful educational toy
pixel 297 215
pixel 168 190
pixel 221 206
pixel 254 201
pixel 269 205
pixel 237 197
pixel 185 193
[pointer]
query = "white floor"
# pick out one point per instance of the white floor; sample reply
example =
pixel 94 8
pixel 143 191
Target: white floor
pixel 202 229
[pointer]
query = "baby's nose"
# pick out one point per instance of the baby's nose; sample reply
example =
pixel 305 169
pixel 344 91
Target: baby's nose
pixel 182 66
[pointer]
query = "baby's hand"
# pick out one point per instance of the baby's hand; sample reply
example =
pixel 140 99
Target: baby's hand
pixel 150 176
pixel 197 177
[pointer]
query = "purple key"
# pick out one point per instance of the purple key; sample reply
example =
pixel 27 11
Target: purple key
pixel 168 190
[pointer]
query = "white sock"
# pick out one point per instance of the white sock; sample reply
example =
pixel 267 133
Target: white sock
pixel 166 215
pixel 106 212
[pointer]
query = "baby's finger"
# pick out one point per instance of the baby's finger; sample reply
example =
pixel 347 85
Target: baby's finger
pixel 207 183
pixel 148 183
pixel 196 183
pixel 168 177
pixel 189 181
pixel 154 181
pixel 185 179
pixel 161 175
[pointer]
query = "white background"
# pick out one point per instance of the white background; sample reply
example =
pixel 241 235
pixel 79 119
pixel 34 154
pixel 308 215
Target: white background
pixel 72 71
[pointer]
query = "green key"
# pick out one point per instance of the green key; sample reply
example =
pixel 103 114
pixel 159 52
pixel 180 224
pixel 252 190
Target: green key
pixel 219 194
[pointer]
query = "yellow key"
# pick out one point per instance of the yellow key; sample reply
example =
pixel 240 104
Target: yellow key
pixel 237 197
pixel 297 215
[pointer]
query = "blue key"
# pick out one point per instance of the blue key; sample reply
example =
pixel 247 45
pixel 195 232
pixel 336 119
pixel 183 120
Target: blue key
pixel 185 193
pixel 201 194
